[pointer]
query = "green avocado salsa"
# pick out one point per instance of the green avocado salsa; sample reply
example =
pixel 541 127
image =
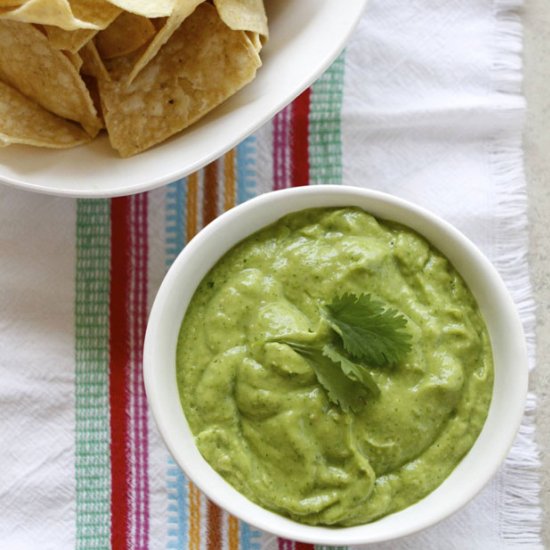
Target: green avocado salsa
pixel 258 412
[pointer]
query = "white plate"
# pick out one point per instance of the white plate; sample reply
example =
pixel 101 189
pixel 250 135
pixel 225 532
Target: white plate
pixel 306 36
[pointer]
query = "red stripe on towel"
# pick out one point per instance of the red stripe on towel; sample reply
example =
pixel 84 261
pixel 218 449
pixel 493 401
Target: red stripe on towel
pixel 119 364
pixel 300 139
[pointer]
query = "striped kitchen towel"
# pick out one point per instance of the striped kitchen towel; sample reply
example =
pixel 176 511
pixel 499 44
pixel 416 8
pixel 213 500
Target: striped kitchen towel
pixel 425 104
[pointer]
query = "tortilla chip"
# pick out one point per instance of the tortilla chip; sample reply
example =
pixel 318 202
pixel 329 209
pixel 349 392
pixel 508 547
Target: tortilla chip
pixel 158 8
pixel 91 84
pixel 47 12
pixel 23 121
pixel 255 39
pixel 126 34
pixel 243 15
pixel 99 12
pixel 75 59
pixel 9 5
pixel 92 63
pixel 182 10
pixel 70 41
pixel 202 64
pixel 30 64
pixel 159 22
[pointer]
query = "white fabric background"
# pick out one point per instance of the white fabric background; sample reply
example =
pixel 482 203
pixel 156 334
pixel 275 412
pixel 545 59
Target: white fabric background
pixel 37 262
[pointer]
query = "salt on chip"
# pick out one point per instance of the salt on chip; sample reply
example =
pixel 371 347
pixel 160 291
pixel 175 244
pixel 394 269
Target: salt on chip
pixel 25 122
pixel 202 64
pixel 147 8
pixel 244 15
pixel 126 34
pixel 30 64
pixel 182 10
pixel 47 12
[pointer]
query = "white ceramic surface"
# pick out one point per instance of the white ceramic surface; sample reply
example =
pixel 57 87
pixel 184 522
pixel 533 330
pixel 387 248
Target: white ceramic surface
pixel 306 36
pixel 504 326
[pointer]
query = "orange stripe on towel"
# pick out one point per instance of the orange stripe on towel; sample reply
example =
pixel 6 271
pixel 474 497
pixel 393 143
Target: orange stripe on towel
pixel 229 176
pixel 192 206
pixel 194 518
pixel 233 533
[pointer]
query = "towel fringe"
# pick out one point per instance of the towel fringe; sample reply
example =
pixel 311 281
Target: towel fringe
pixel 521 520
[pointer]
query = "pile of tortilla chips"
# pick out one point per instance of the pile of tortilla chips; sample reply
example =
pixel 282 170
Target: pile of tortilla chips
pixel 141 69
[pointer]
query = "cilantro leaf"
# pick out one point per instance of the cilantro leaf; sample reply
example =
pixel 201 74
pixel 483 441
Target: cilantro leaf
pixel 341 390
pixel 369 329
pixel 356 372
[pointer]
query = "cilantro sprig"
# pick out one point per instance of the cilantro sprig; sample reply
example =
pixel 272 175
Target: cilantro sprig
pixel 370 330
pixel 341 389
pixel 364 332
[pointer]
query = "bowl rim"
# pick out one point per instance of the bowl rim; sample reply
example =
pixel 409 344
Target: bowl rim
pixel 339 195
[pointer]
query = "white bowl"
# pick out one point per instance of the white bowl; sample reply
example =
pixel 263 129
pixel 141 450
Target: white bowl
pixel 306 36
pixel 510 360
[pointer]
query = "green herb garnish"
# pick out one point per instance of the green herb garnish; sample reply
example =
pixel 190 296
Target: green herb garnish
pixel 353 371
pixel 369 332
pixel 341 389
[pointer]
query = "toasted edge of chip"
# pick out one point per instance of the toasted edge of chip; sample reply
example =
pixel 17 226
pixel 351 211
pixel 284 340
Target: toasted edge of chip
pixel 202 65
pixel 23 121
